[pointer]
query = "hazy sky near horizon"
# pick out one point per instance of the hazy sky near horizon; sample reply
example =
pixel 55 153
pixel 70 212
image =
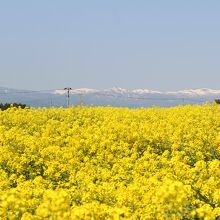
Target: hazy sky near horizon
pixel 156 44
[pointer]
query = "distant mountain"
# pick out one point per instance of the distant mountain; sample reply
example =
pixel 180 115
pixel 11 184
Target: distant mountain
pixel 117 90
pixel 113 96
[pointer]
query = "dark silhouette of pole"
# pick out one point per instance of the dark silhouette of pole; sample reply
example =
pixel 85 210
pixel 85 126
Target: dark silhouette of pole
pixel 80 100
pixel 51 102
pixel 68 95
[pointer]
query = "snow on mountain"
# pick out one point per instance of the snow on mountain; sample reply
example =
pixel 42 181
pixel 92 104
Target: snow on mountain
pixel 188 93
pixel 83 91
pixel 59 92
pixel 196 92
pixel 117 90
pixel 145 91
pixel 202 92
pixel 141 92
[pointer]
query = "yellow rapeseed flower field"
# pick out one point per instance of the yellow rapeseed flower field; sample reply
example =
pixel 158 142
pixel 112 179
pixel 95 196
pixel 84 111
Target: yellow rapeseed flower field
pixel 110 163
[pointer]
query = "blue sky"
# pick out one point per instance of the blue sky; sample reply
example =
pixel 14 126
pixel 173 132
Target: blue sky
pixel 164 45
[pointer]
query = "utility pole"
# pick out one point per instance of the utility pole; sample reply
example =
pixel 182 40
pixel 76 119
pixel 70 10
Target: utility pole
pixel 68 95
pixel 51 102
pixel 80 100
pixel 183 101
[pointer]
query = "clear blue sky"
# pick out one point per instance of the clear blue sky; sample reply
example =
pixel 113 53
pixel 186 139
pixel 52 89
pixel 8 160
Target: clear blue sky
pixel 164 45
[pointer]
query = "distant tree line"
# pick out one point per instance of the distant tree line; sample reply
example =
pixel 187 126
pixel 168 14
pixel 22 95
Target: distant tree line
pixel 5 106
pixel 217 101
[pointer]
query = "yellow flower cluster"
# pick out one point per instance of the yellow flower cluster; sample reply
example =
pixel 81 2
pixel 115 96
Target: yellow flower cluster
pixel 110 163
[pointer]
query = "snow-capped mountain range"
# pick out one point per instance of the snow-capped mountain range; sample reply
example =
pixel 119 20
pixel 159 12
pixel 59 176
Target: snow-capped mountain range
pixel 121 91
pixel 114 96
